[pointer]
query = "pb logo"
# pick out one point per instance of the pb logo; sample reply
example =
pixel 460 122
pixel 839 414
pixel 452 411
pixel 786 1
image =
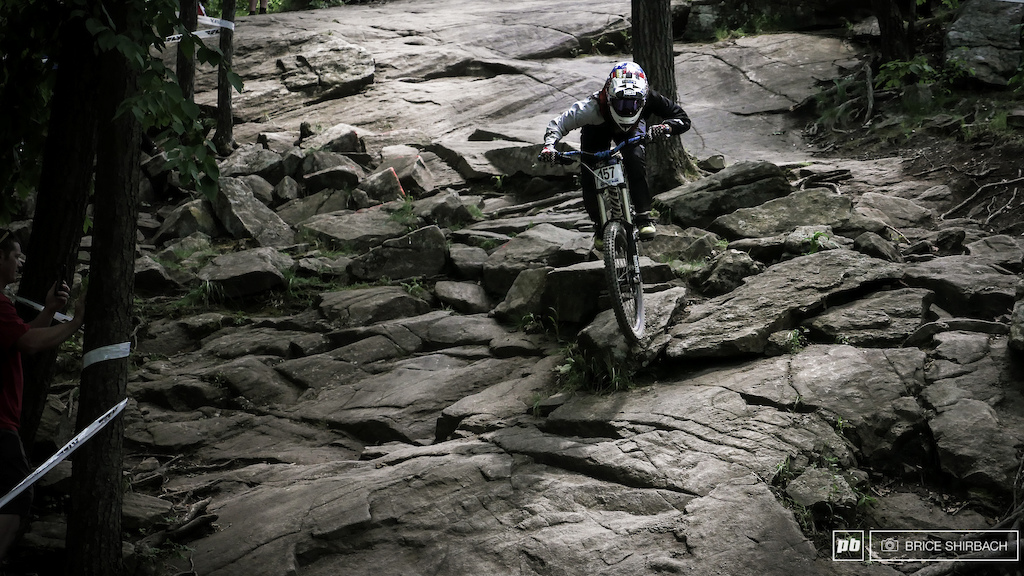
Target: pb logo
pixel 848 545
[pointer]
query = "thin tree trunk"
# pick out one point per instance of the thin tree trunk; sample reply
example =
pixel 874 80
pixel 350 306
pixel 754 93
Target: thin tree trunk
pixel 61 201
pixel 896 35
pixel 94 519
pixel 223 138
pixel 186 64
pixel 668 163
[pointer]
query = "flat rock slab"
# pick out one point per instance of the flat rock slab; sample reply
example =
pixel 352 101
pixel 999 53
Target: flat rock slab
pixel 740 322
pixel 448 74
pixel 882 319
pixel 445 510
pixel 966 285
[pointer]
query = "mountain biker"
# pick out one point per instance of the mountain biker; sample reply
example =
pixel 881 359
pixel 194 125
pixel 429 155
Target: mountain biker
pixel 619 111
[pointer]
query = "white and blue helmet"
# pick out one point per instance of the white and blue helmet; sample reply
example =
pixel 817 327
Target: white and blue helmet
pixel 626 90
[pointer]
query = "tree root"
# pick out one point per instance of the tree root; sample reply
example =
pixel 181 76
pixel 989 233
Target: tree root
pixel 183 530
pixel 978 194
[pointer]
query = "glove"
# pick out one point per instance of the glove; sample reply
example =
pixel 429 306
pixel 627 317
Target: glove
pixel 548 154
pixel 659 131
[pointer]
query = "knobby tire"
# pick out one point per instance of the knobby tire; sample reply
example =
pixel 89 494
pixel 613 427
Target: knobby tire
pixel 624 285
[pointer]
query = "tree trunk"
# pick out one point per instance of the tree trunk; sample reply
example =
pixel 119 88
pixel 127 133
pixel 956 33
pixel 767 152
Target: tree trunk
pixel 668 162
pixel 94 519
pixel 186 64
pixel 223 138
pixel 61 201
pixel 896 27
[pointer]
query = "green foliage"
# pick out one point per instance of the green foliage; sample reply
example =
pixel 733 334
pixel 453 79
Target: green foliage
pixel 27 81
pixel 405 214
pixel 1017 82
pixel 416 288
pixel 756 23
pixel 530 323
pixel 583 371
pixel 27 75
pixel 304 291
pixel 202 296
pixel 620 42
pixel 899 73
pixel 311 4
pixel 796 340
pixel 841 105
pixel 818 241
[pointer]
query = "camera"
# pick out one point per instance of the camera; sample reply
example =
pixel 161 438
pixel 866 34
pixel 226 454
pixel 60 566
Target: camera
pixel 889 545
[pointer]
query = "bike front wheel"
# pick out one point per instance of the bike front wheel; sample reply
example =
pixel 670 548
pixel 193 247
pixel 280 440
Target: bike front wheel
pixel 622 271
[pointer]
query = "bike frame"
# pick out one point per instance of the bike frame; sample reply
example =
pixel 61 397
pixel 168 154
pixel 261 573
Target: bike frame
pixel 605 195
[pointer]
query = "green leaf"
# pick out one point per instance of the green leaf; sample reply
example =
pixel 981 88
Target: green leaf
pixel 236 81
pixel 95 27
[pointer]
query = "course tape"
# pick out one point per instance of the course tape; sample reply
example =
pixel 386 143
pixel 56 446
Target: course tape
pixel 104 353
pixel 203 19
pixel 222 23
pixel 59 316
pixel 88 432
pixel 198 33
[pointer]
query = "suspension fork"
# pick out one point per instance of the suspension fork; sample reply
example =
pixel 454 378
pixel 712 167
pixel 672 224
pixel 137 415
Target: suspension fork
pixel 625 200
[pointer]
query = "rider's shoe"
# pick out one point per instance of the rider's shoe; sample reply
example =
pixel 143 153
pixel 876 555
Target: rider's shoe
pixel 646 224
pixel 598 241
pixel 647 230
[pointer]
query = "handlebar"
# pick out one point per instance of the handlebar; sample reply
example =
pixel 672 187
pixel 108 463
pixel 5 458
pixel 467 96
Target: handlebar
pixel 570 156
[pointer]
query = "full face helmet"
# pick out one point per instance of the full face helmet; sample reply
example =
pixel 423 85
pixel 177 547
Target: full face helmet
pixel 627 93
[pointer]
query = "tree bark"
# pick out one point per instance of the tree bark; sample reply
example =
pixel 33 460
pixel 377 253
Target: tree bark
pixel 223 138
pixel 94 519
pixel 61 201
pixel 895 23
pixel 186 63
pixel 667 160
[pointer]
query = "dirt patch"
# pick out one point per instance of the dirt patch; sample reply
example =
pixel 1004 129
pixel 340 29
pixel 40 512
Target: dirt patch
pixel 965 145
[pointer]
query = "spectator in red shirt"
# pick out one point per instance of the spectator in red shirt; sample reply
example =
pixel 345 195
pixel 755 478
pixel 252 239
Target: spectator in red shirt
pixel 17 336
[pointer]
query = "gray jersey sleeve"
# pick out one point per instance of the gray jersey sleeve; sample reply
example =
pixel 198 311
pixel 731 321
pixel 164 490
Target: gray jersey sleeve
pixel 583 113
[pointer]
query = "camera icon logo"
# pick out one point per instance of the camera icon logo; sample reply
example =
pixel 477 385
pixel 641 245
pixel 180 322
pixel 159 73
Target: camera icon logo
pixel 889 545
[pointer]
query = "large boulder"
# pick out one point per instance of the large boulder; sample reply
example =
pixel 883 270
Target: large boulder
pixel 328 67
pixel 249 272
pixel 423 252
pixel 985 38
pixel 243 216
pixel 253 159
pixel 966 285
pixel 541 245
pixel 740 185
pixel 740 322
pixel 191 217
pixel 811 207
pixel 352 231
pixel 885 318
pixel 363 306
pixel 1017 320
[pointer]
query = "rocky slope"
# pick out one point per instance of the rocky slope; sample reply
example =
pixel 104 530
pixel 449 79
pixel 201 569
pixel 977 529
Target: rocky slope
pixel 377 347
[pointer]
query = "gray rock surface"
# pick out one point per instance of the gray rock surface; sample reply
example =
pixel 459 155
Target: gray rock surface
pixel 980 39
pixel 428 423
pixel 740 322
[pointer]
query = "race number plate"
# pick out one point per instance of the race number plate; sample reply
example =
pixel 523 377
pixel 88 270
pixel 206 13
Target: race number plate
pixel 608 176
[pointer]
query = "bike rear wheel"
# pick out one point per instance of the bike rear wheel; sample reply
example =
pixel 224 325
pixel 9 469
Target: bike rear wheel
pixel 625 288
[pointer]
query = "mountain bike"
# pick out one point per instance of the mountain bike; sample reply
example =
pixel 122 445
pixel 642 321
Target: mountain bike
pixel 621 236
